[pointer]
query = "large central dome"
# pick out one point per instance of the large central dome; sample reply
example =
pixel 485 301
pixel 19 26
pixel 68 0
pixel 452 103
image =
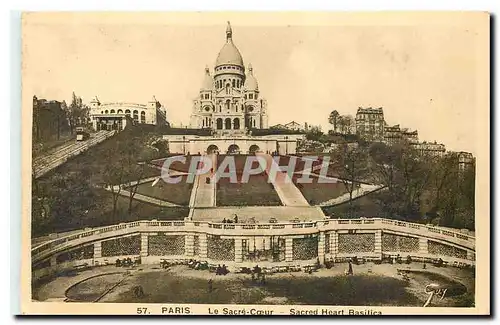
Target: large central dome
pixel 229 54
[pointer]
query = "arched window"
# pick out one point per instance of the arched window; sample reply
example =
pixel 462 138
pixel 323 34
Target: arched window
pixel 136 116
pixel 236 123
pixel 112 111
pixel 234 83
pixel 228 104
pixel 143 117
pixel 106 112
pixel 253 123
pixel 228 124
pixel 120 111
pixel 219 124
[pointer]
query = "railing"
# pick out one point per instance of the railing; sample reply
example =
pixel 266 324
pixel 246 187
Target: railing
pixel 42 250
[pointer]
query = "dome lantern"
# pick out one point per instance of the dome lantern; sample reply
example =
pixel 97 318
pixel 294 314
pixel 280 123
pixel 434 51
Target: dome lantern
pixel 208 82
pixel 229 54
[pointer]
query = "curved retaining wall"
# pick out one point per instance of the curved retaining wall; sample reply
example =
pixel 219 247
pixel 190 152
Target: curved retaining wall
pixel 241 244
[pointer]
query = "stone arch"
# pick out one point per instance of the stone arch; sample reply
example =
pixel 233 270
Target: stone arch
pixel 112 111
pixel 233 149
pixel 253 149
pixel 219 124
pixel 236 124
pixel 212 149
pixel 227 123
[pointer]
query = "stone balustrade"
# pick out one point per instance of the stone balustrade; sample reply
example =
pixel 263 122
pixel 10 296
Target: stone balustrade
pixel 195 231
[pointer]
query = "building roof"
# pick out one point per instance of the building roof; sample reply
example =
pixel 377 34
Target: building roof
pixel 229 54
pixel 292 123
pixel 250 82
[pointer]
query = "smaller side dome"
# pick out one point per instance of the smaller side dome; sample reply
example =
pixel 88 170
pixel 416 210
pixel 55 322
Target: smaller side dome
pixel 251 83
pixel 208 81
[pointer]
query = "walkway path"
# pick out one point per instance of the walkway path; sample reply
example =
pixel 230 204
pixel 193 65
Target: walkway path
pixel 259 214
pixel 204 192
pixel 288 193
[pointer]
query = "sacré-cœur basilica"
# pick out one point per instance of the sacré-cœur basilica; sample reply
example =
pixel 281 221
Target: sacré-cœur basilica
pixel 231 111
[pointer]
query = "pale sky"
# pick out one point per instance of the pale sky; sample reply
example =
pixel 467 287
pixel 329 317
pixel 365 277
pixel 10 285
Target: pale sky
pixel 425 72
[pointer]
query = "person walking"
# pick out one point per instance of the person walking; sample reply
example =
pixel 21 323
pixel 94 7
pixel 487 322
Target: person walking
pixel 210 286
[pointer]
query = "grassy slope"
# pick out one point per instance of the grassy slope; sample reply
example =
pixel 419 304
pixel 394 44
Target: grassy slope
pixel 101 213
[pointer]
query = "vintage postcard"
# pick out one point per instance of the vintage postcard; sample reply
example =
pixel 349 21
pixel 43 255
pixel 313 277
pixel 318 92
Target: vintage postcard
pixel 225 163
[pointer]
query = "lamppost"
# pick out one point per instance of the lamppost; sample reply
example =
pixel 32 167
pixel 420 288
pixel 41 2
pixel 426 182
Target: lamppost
pixel 286 145
pixel 184 144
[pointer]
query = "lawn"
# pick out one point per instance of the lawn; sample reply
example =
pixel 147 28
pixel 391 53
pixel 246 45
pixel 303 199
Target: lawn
pixel 176 165
pixel 316 192
pixel 178 193
pixel 256 192
pixel 357 290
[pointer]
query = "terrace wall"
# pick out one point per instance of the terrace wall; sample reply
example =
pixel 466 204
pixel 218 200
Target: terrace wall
pixel 289 243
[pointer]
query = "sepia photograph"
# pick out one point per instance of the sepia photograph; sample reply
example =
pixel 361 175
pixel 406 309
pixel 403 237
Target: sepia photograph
pixel 256 163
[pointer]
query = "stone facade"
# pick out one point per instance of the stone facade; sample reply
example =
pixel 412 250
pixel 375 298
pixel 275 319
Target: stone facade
pixel 115 116
pixel 370 124
pixel 429 148
pixel 395 134
pixel 465 160
pixel 282 144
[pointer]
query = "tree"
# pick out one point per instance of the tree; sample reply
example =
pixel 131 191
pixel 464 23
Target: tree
pixel 77 113
pixel 314 134
pixel 348 124
pixel 406 175
pixel 113 176
pixel 133 168
pixel 333 119
pixel 128 170
pixel 351 165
